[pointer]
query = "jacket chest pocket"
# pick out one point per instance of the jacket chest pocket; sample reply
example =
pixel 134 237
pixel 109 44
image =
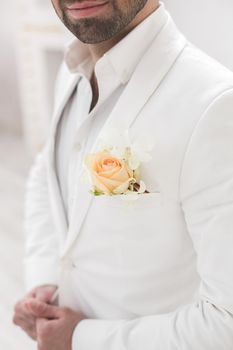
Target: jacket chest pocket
pixel 148 217
pixel 148 231
pixel 128 216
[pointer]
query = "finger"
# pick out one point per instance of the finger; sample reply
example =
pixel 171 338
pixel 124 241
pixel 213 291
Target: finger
pixel 45 330
pixel 46 293
pixel 43 310
pixel 22 310
pixel 18 320
pixel 41 323
pixel 27 327
pixel 30 331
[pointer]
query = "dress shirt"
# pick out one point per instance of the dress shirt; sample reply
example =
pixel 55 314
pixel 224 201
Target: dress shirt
pixel 112 71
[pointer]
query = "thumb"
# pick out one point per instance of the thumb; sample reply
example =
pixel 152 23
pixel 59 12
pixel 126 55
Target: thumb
pixel 45 293
pixel 43 310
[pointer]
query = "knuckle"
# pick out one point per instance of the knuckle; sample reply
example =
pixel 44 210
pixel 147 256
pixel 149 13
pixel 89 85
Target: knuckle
pixel 40 308
pixel 20 307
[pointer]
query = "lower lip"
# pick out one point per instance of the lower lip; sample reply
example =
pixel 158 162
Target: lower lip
pixel 86 12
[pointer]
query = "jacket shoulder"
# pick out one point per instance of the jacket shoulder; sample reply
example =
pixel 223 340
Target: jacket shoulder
pixel 204 70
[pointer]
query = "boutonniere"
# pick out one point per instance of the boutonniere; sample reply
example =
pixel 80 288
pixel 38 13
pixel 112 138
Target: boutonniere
pixel 115 168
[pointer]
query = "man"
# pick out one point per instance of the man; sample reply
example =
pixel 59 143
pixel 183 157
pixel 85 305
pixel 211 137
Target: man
pixel 158 273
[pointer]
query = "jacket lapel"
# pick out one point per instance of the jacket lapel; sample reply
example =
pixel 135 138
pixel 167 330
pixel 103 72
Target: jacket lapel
pixel 152 69
pixel 69 82
pixel 154 66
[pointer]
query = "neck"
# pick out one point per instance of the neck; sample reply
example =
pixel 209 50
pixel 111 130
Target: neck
pixel 98 50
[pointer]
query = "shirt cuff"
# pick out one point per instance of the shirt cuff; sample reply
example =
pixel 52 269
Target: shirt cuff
pixel 41 272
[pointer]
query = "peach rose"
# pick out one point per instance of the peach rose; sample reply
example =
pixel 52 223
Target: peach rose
pixel 109 175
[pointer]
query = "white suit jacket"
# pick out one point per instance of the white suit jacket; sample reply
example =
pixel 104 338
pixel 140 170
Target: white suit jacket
pixel 160 275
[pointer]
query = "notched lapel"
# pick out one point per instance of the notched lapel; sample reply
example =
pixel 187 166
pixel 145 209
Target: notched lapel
pixel 67 83
pixel 150 72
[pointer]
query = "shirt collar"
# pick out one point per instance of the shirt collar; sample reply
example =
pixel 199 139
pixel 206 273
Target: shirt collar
pixel 132 47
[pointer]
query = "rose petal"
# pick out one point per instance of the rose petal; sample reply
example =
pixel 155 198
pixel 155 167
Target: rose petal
pixel 122 188
pixel 108 173
pixel 99 186
pixel 109 183
pixel 122 175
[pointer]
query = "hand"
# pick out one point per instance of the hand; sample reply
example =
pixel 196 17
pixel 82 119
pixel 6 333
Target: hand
pixel 23 317
pixel 54 325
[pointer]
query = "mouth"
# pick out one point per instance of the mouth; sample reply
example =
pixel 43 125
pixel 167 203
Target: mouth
pixel 86 8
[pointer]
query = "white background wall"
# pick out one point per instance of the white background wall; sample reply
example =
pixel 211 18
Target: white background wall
pixel 10 114
pixel 208 24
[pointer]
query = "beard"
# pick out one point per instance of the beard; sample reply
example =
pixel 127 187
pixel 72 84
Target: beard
pixel 95 30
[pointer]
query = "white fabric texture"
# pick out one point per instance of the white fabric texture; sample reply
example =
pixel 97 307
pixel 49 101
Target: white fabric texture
pixel 157 275
pixel 112 73
pixel 78 108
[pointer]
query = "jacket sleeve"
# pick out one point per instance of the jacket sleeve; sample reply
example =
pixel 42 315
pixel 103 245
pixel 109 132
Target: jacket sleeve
pixel 206 195
pixel 42 246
